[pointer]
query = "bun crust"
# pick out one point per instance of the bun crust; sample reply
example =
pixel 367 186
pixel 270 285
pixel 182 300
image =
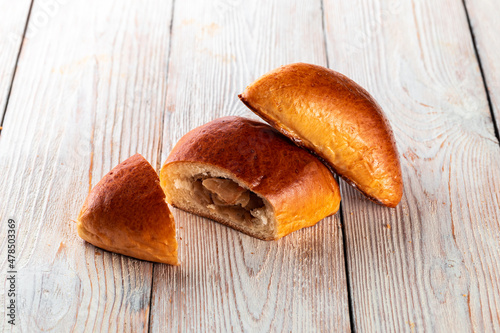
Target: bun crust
pixel 298 187
pixel 126 213
pixel 334 117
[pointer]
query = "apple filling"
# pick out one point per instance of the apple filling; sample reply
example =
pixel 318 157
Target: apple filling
pixel 228 198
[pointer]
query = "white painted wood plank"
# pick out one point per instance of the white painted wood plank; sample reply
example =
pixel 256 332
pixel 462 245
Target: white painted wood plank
pixel 433 263
pixel 13 16
pixel 485 24
pixel 89 92
pixel 228 281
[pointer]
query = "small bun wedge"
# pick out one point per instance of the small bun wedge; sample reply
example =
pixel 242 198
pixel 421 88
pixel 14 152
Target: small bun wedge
pixel 248 176
pixel 126 213
pixel 333 116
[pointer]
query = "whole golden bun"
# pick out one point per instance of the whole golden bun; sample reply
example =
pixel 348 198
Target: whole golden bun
pixel 126 213
pixel 335 118
pixel 296 189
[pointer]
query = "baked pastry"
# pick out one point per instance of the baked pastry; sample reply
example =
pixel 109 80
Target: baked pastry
pixel 337 119
pixel 126 213
pixel 246 175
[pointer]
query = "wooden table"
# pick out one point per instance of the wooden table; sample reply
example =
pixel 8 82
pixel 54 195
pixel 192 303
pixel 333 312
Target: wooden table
pixel 86 84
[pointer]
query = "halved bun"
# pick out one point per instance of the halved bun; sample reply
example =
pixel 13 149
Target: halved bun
pixel 248 176
pixel 126 213
pixel 335 118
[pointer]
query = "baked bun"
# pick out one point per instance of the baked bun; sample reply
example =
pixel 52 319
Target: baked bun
pixel 248 176
pixel 126 213
pixel 335 118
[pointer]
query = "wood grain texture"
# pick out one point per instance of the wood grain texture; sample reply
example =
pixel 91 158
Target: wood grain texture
pixel 483 17
pixel 228 281
pixel 13 16
pixel 433 263
pixel 89 92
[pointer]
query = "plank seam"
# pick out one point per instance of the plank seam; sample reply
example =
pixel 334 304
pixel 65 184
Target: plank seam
pixel 340 212
pixel 158 155
pixel 323 25
pixel 151 296
pixel 347 271
pixel 160 146
pixel 481 70
pixel 15 66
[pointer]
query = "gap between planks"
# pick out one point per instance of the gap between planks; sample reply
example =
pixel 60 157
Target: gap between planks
pixel 15 66
pixel 158 159
pixel 481 70
pixel 350 304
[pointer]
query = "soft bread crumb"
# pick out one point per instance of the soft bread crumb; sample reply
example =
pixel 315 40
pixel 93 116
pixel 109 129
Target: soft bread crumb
pixel 180 190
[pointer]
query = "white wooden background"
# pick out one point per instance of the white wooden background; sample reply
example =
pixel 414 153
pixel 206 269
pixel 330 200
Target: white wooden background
pixel 86 84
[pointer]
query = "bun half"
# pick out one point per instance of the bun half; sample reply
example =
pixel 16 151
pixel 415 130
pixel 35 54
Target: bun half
pixel 334 117
pixel 248 176
pixel 126 213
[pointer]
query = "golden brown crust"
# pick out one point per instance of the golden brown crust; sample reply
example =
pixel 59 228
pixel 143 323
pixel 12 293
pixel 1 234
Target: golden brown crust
pixel 337 119
pixel 300 188
pixel 126 213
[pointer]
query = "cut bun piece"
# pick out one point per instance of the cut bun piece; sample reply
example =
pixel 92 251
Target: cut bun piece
pixel 248 176
pixel 126 213
pixel 335 118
